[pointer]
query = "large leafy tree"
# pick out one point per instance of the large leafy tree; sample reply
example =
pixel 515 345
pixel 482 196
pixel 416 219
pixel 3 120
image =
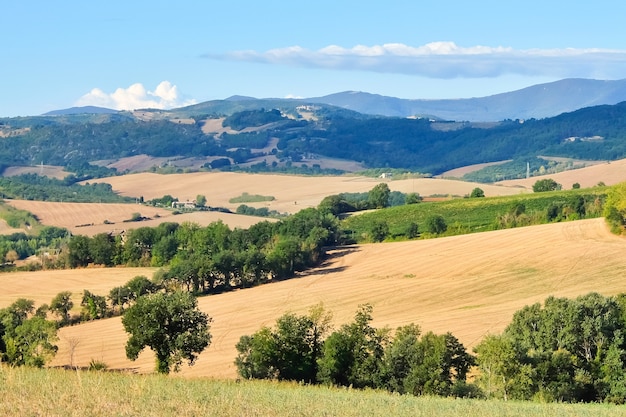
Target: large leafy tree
pixel 171 325
pixel 24 340
pixel 566 350
pixel 353 355
pixel 62 304
pixel 378 197
pixel 288 352
pixel 547 184
pixel 431 364
pixel 32 342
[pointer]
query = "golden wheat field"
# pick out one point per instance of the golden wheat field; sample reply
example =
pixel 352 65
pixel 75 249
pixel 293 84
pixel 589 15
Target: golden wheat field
pixel 92 218
pixel 291 193
pixel 469 285
pixel 609 173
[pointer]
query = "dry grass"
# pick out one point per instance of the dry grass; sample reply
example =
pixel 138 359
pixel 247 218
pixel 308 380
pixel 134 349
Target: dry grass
pixel 42 286
pixel 36 392
pixel 51 171
pixel 469 285
pixel 88 218
pixel 610 173
pixel 292 193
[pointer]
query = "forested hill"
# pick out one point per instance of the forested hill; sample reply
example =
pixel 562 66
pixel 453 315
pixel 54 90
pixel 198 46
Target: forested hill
pixel 302 131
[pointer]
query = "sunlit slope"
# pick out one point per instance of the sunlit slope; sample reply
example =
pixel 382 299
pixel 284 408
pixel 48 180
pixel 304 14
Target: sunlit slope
pixel 469 285
pixel 609 172
pixel 292 193
pixel 92 218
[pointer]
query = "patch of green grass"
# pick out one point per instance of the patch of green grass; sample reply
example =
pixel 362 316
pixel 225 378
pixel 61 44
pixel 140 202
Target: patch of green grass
pixel 55 392
pixel 250 198
pixel 18 219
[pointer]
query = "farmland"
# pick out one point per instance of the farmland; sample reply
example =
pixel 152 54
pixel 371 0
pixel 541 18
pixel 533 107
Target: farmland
pixel 493 274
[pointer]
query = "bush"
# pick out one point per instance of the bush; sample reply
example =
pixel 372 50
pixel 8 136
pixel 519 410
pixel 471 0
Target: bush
pixel 435 224
pixel 547 184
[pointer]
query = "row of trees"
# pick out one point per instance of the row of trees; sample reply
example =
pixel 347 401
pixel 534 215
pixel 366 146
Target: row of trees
pixel 380 196
pixel 568 350
pixel 356 355
pixel 215 258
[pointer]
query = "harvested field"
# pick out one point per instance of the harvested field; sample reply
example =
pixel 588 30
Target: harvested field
pixel 51 171
pixel 88 218
pixel 469 285
pixel 459 172
pixel 609 173
pixel 292 193
pixel 42 286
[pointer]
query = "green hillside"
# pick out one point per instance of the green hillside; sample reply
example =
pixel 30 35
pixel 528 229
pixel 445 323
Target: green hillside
pixel 422 145
pixel 470 215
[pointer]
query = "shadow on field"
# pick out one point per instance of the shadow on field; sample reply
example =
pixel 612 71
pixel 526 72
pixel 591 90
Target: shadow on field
pixel 329 264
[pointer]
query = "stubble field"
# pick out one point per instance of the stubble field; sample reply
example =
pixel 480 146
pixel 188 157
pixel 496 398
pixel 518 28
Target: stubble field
pixel 469 285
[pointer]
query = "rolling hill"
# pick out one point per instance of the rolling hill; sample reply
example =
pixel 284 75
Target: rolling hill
pixel 493 275
pixel 300 136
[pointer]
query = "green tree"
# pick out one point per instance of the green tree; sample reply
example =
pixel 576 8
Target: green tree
pixel 435 224
pixel 502 374
pixel 200 200
pixel 290 352
pixel 412 198
pixel 412 230
pixel 353 355
pixel 378 197
pixel 379 230
pixel 61 305
pixel 94 306
pixel 79 251
pixel 615 208
pixel 31 343
pixel 547 184
pixel 477 193
pixel 102 249
pixel 171 325
pixel 430 365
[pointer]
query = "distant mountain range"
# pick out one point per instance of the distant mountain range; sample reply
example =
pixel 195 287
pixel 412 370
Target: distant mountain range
pixel 80 110
pixel 574 118
pixel 538 101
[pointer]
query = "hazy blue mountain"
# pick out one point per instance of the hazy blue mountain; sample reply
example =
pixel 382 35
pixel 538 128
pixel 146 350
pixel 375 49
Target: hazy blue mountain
pixel 80 110
pixel 538 101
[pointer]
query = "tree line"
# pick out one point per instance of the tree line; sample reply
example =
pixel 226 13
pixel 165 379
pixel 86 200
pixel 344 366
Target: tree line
pixel 566 350
pixel 214 258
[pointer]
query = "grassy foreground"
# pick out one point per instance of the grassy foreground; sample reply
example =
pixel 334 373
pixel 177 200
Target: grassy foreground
pixel 53 392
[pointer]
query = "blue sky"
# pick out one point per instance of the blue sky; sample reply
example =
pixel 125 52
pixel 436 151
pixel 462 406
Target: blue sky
pixel 133 54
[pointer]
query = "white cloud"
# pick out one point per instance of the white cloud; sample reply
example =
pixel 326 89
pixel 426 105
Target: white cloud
pixel 165 96
pixel 446 60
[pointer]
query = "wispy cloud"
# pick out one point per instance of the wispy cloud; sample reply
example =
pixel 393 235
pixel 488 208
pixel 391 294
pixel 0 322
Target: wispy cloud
pixel 446 60
pixel 164 96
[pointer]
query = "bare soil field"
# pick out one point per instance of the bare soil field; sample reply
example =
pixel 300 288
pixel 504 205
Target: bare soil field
pixel 609 173
pixel 89 218
pixel 469 285
pixel 291 193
